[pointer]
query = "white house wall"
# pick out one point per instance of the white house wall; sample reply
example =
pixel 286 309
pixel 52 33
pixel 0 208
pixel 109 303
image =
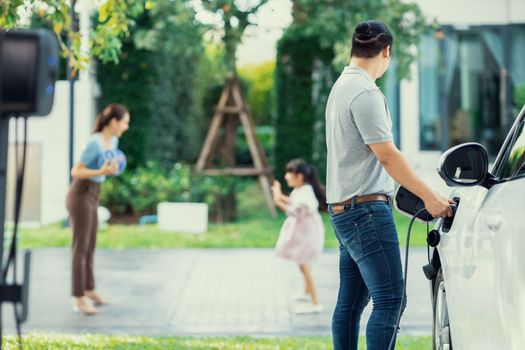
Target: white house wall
pixel 474 12
pixel 52 133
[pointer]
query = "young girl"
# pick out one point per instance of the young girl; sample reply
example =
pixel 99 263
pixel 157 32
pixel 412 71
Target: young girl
pixel 302 236
pixel 82 202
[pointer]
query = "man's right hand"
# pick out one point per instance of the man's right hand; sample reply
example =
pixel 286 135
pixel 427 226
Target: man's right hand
pixel 438 206
pixel 398 167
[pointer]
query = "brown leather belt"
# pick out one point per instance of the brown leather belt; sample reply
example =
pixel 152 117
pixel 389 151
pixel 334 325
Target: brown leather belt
pixel 340 207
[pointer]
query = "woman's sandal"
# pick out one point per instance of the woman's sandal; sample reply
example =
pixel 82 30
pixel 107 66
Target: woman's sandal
pixel 80 305
pixel 97 299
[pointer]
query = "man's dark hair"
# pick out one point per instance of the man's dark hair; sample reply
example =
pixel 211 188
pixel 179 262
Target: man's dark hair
pixel 370 38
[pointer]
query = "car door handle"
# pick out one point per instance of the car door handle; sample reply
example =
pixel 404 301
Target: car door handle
pixel 494 222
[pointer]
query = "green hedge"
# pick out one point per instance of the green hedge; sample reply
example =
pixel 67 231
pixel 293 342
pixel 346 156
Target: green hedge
pixel 266 136
pixel 131 83
pixel 302 88
pixel 160 80
pixel 139 191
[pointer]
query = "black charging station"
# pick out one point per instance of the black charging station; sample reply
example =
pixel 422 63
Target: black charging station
pixel 28 71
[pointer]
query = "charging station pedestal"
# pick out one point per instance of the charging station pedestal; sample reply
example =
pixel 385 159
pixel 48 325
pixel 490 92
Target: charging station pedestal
pixel 10 293
pixel 4 142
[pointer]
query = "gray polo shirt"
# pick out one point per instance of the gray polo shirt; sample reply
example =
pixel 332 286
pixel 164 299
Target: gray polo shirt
pixel 356 116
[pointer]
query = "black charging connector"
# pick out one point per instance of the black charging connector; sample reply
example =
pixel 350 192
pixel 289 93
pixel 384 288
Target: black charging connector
pixel 447 222
pixel 409 204
pixel 434 237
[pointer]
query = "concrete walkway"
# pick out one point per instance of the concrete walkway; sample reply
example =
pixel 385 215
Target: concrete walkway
pixel 198 292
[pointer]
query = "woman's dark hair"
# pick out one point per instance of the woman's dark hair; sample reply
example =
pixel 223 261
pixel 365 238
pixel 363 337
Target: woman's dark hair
pixel 311 176
pixel 370 38
pixel 112 111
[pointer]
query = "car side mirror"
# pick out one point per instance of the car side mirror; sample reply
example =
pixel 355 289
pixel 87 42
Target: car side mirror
pixel 464 165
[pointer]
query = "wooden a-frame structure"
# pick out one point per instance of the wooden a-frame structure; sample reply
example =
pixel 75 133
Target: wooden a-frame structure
pixel 230 110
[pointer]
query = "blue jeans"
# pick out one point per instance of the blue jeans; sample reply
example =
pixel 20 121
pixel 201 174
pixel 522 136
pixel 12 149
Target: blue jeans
pixel 369 267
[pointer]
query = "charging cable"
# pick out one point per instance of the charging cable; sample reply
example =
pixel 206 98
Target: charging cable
pixel 403 302
pixel 391 346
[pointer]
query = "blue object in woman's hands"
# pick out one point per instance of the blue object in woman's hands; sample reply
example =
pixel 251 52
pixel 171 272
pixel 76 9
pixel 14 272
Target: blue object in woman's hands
pixel 114 155
pixel 121 161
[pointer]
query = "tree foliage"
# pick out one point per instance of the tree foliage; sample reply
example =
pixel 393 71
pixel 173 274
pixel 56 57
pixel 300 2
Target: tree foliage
pixel 260 90
pixel 333 21
pixel 115 18
pixel 313 50
pixel 235 16
pixel 158 78
pixel 131 82
pixel 297 109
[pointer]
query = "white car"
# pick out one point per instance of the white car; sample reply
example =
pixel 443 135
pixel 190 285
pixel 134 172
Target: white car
pixel 477 270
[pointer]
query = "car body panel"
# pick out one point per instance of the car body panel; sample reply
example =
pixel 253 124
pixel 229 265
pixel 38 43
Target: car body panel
pixel 483 267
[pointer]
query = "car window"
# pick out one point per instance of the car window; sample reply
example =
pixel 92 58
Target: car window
pixel 514 161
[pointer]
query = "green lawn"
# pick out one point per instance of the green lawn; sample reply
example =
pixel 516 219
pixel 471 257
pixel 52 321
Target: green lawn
pixel 255 228
pixel 90 342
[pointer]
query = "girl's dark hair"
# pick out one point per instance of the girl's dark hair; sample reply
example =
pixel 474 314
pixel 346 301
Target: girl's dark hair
pixel 370 38
pixel 112 111
pixel 311 176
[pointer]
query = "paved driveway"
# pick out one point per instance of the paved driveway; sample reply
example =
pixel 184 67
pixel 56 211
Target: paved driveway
pixel 173 292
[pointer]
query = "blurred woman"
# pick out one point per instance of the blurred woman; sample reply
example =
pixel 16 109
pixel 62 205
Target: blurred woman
pixel 83 199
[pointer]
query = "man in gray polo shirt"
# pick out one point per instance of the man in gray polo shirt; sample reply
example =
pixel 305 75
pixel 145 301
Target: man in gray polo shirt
pixel 357 116
pixel 362 165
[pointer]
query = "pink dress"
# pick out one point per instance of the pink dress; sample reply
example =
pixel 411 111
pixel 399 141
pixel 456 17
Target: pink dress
pixel 302 236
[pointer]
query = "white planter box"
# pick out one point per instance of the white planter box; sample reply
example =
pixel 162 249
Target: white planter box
pixel 183 217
